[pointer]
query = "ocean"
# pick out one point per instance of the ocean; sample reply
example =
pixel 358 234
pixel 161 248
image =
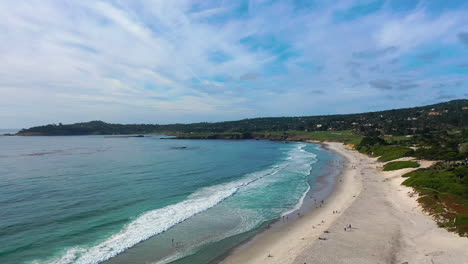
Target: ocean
pixel 118 199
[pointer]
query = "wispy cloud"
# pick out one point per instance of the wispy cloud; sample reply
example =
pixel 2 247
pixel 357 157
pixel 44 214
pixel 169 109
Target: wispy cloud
pixel 184 61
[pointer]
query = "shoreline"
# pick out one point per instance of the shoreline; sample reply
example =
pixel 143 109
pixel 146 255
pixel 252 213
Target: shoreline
pixel 324 179
pixel 306 207
pixel 306 227
pixel 388 224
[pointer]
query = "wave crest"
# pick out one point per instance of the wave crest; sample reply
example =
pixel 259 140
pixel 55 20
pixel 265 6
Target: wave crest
pixel 159 220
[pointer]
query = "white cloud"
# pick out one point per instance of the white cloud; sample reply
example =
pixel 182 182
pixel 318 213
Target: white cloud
pixel 151 58
pixel 418 28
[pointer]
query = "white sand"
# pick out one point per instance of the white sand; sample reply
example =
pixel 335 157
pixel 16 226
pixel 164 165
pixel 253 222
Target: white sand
pixel 388 226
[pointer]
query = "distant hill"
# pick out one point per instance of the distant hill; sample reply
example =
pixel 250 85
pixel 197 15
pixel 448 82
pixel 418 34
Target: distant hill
pixel 443 116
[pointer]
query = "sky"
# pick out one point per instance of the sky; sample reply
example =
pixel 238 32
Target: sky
pixel 182 61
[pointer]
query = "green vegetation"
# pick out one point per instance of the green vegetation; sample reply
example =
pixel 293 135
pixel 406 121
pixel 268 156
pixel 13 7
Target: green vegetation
pixel 397 165
pixel 388 153
pixel 88 128
pixel 206 135
pixel 443 188
pixel 377 147
pixel 441 145
pixel 443 191
pixel 436 145
pixel 390 124
pixel 347 137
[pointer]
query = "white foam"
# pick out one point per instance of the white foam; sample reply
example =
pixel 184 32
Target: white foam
pixel 248 220
pixel 145 226
pixel 157 221
pixel 299 203
pixel 303 165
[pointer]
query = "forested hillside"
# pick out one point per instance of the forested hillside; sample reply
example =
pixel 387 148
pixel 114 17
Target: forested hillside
pixel 407 121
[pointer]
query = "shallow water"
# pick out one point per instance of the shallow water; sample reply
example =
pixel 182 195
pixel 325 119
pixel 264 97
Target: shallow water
pixel 85 199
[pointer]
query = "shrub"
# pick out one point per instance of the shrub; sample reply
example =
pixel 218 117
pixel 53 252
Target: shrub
pixel 444 194
pixel 397 165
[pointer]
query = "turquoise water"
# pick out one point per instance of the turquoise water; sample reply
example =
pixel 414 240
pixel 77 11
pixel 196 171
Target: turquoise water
pixel 86 199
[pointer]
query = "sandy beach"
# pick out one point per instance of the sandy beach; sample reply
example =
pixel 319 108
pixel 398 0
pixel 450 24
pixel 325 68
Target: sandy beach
pixel 387 224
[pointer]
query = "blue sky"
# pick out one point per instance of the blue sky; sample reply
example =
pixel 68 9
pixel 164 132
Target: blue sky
pixel 187 61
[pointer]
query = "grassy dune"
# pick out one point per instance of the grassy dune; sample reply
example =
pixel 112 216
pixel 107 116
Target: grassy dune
pixel 397 165
pixel 443 193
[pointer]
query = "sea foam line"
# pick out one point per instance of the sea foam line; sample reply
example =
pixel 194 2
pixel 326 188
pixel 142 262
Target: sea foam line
pixel 310 158
pixel 145 226
pixel 159 220
pixel 299 203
